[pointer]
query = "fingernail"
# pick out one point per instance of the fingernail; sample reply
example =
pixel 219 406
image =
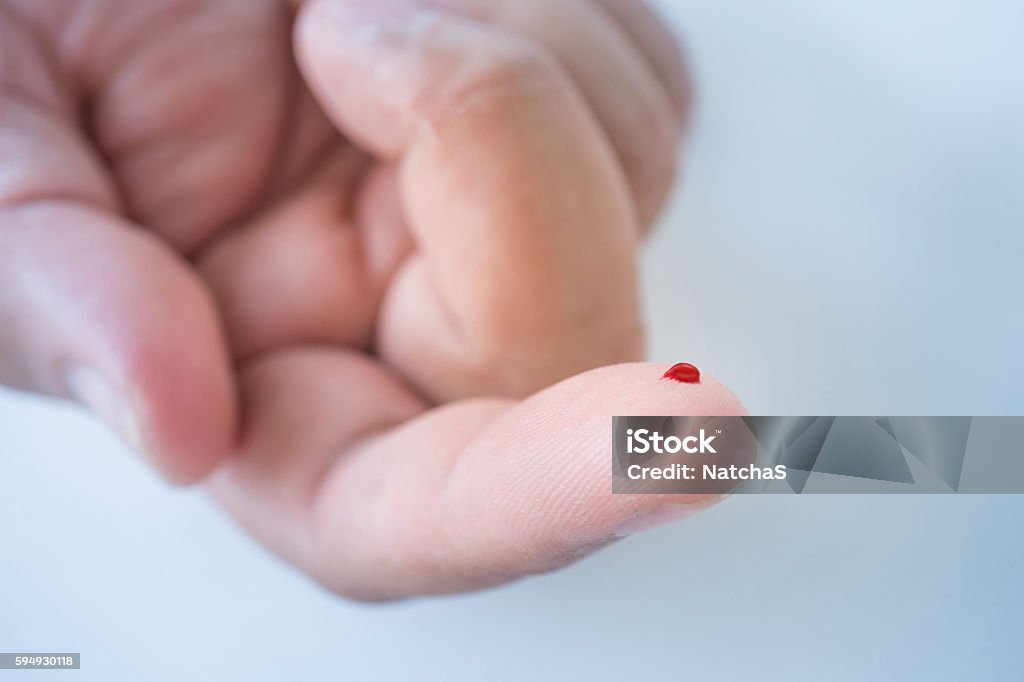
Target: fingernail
pixel 664 515
pixel 90 388
pixel 375 23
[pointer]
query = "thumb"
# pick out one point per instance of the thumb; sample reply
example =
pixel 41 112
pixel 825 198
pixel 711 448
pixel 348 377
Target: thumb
pixel 524 227
pixel 94 309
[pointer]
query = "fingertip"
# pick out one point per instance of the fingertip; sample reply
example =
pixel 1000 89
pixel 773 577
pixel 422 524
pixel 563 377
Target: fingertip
pixel 176 362
pixel 106 314
pixel 565 446
pixel 185 401
pixel 641 388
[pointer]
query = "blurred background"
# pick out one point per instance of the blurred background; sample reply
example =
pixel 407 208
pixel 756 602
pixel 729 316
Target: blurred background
pixel 847 240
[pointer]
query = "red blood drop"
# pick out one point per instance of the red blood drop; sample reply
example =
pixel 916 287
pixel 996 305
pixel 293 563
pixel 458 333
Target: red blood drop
pixel 683 372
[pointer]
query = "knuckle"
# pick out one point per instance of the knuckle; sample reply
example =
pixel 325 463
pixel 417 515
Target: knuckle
pixel 487 82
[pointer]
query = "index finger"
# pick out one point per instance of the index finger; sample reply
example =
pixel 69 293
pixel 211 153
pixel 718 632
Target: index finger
pixel 378 499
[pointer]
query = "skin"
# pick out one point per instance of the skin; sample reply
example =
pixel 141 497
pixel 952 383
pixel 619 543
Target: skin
pixel 328 255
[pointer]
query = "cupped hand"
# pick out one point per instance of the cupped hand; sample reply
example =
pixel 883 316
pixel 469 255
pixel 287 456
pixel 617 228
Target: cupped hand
pixel 272 239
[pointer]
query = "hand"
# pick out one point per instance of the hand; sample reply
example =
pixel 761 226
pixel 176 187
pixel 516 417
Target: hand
pixel 435 204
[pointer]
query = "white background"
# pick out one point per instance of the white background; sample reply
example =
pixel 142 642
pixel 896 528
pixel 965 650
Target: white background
pixel 847 241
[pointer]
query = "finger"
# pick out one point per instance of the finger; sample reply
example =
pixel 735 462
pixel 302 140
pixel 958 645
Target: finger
pixel 194 144
pixel 90 306
pixel 522 218
pixel 619 84
pixel 651 35
pixel 313 268
pixel 462 497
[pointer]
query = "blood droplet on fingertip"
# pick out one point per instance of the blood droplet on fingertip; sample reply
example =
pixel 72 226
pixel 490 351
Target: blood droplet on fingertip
pixel 683 372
